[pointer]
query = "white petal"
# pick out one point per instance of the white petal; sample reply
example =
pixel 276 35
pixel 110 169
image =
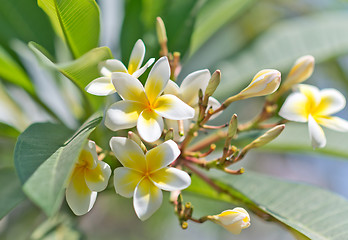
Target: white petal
pixel 171 179
pixel 91 148
pixel 150 126
pixel 126 180
pixel 147 199
pixel 136 57
pixel 128 87
pixel 140 71
pixel 78 196
pixel 334 123
pixel 122 115
pixel 295 108
pixel 214 104
pixel 316 133
pixel 162 155
pixel 172 88
pixel 98 178
pixel 157 79
pixel 128 153
pixel 101 87
pixel 171 107
pixel 111 65
pixel 191 85
pixel 332 101
pixel 311 92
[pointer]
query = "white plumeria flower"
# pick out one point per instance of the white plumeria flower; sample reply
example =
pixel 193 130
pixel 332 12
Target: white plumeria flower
pixel 188 92
pixel 232 220
pixel 315 107
pixel 103 86
pixel 145 175
pixel 145 107
pixel 89 177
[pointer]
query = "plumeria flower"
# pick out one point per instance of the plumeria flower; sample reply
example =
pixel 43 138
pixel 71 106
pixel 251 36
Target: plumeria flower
pixel 315 107
pixel 145 107
pixel 232 220
pixel 103 86
pixel 143 176
pixel 188 92
pixel 89 177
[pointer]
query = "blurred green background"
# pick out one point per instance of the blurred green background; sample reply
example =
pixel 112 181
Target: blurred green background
pixel 240 37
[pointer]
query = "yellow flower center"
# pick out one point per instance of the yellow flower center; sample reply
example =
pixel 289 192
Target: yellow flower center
pixel 85 159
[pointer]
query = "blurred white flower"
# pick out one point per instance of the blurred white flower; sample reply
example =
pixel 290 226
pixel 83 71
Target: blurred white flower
pixel 315 107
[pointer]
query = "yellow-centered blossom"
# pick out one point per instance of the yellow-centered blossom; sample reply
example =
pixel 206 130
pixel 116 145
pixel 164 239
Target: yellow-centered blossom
pixel 89 177
pixel 103 86
pixel 315 106
pixel 232 220
pixel 143 176
pixel 145 107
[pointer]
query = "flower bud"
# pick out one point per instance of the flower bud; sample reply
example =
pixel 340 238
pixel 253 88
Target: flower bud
pixel 137 140
pixel 169 135
pixel 232 126
pixel 161 31
pixel 232 220
pixel 213 83
pixel 265 82
pixel 266 137
pixel 301 71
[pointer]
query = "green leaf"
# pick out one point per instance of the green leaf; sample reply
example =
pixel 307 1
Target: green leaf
pixel 212 16
pixel 289 141
pixel 82 70
pixel 140 16
pixel 282 44
pixel 44 161
pixel 24 20
pixel 307 210
pixel 75 21
pixel 10 192
pixel 8 131
pixel 12 72
pixel 36 144
pixel 59 227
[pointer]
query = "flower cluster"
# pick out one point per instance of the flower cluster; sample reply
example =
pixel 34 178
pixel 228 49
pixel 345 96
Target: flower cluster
pixel 167 117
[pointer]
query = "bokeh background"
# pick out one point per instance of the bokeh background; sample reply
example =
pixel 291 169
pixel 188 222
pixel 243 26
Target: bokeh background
pixel 240 37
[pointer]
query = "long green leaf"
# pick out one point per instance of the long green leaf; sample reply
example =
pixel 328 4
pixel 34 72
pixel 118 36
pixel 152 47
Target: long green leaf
pixel 36 144
pixel 140 16
pixel 212 16
pixel 75 21
pixel 59 227
pixel 82 70
pixel 11 71
pixel 307 210
pixel 282 44
pixel 44 183
pixel 25 21
pixel 8 131
pixel 10 192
